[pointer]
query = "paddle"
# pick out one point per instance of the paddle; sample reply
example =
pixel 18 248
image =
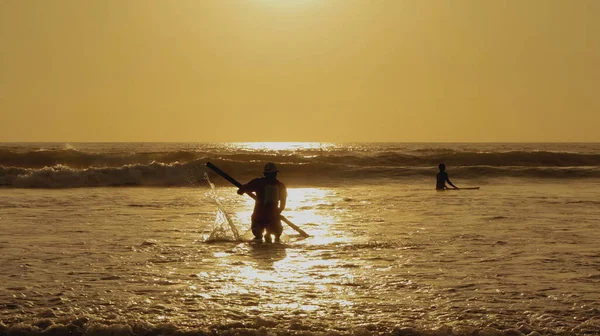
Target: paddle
pixel 239 185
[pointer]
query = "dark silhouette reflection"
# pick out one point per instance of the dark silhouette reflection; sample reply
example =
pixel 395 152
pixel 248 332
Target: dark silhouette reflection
pixel 265 255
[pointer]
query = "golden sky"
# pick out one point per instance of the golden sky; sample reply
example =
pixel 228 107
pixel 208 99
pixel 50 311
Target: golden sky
pixel 299 70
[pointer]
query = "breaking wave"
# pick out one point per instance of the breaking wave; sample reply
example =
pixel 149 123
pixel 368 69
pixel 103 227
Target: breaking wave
pixel 80 159
pixel 71 168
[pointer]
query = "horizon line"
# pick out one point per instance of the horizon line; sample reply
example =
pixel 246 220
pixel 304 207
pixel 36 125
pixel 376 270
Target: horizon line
pixel 330 142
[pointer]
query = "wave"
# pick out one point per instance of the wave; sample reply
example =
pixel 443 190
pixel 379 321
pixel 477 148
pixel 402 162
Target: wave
pixel 80 159
pixel 73 158
pixel 61 176
pixel 102 165
pixel 157 174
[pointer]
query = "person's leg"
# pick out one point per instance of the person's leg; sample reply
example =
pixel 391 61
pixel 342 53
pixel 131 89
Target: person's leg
pixel 273 228
pixel 257 230
pixel 268 237
pixel 277 230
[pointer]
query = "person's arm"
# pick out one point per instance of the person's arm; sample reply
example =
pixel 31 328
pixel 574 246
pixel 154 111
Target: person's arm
pixel 248 187
pixel 242 189
pixel 450 183
pixel 282 197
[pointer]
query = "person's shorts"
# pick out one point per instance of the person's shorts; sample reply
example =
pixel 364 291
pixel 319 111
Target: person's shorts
pixel 271 226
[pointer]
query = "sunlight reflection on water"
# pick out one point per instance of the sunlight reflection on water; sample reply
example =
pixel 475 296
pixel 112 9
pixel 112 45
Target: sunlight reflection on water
pixel 284 270
pixel 281 146
pixel 310 208
pixel 374 257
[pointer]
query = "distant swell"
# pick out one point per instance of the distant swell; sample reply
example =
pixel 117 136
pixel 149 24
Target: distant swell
pixel 78 159
pixel 60 176
pixel 31 167
pixel 420 158
pixel 190 173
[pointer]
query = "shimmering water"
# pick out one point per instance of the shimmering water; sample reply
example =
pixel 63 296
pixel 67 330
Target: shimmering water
pixel 505 256
pixel 520 255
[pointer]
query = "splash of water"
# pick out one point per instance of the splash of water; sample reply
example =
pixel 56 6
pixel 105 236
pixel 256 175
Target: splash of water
pixel 223 228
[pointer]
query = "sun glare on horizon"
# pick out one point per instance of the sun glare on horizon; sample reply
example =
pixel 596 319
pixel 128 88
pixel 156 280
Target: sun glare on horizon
pixel 282 146
pixel 286 3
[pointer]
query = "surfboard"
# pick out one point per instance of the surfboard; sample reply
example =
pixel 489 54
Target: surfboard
pixel 468 188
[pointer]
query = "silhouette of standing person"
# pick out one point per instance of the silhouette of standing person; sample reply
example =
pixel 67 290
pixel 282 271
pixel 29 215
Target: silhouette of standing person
pixel 271 196
pixel 442 178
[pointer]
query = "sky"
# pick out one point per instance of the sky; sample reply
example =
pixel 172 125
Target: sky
pixel 300 70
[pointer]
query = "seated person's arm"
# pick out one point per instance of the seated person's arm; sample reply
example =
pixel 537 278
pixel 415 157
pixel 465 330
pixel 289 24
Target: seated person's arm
pixel 450 183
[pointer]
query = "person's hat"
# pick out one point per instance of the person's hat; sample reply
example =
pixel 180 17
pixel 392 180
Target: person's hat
pixel 270 168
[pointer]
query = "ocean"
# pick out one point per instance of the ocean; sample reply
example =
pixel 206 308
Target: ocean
pixel 131 239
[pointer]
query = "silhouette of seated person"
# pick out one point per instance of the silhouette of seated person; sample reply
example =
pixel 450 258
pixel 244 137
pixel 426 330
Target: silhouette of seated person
pixel 442 178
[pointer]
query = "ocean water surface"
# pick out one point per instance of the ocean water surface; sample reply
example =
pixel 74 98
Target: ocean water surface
pixel 126 239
